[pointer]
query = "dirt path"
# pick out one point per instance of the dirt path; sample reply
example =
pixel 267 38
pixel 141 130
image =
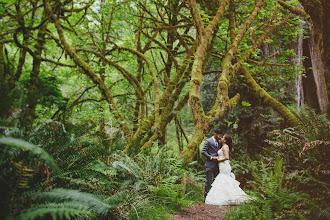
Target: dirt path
pixel 202 211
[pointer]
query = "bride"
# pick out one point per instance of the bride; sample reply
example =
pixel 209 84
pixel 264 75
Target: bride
pixel 225 189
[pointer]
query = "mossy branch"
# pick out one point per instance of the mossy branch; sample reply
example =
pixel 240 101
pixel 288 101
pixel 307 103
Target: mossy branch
pixel 267 99
pixel 294 10
pixel 88 70
pixel 154 78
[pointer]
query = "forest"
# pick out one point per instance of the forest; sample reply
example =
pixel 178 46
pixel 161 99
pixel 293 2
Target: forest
pixel 105 106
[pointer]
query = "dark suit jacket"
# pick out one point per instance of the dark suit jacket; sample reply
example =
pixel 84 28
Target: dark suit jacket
pixel 210 150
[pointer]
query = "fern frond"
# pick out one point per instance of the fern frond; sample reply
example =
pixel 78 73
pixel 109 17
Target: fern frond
pixel 130 166
pixel 59 194
pixel 325 214
pixel 35 150
pixel 56 211
pixel 127 197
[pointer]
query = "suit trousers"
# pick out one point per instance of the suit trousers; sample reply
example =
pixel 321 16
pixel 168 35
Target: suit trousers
pixel 211 173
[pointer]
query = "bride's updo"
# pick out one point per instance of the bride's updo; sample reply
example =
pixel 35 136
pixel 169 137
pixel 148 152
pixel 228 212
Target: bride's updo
pixel 229 141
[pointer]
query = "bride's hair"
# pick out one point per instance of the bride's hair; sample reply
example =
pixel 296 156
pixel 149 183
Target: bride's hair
pixel 229 141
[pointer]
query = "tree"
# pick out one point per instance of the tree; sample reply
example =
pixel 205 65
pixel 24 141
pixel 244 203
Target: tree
pixel 232 64
pixel 144 60
pixel 317 49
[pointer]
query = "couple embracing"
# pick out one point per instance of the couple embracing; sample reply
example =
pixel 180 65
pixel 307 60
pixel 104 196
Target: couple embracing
pixel 225 189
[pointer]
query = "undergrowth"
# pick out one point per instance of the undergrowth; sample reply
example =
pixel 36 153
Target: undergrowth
pixel 296 186
pixel 51 173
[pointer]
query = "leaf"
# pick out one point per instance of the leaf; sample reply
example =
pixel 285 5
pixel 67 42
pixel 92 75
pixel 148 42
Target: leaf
pixel 245 103
pixel 59 194
pixel 35 150
pixel 55 212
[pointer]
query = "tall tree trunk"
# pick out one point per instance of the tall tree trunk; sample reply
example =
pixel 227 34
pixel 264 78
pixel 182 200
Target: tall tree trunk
pixel 2 65
pixel 3 86
pixel 102 130
pixel 33 93
pixel 314 85
pixel 308 81
pixel 299 64
pixel 319 76
pixel 316 12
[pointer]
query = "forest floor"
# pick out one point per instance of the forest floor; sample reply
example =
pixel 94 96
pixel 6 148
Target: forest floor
pixel 202 211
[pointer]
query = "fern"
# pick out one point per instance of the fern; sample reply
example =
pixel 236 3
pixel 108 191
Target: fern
pixel 63 204
pixel 59 194
pixel 22 174
pixel 126 201
pixel 270 199
pixel 305 153
pixel 56 211
pixel 35 150
pixel 152 170
pixel 71 152
pixel 324 214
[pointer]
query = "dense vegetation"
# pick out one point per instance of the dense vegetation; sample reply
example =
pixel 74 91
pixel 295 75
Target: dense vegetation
pixel 104 106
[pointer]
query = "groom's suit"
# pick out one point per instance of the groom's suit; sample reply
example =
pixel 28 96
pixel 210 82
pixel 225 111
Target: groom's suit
pixel 210 149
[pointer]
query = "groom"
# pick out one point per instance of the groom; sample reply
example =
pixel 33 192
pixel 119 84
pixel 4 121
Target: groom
pixel 210 151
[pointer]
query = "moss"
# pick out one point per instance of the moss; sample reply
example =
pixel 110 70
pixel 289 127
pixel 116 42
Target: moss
pixel 268 100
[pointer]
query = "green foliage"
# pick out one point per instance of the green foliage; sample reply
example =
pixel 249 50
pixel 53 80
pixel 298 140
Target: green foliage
pixel 70 151
pixel 169 197
pixel 153 169
pixel 249 126
pixel 63 203
pixel 85 156
pixel 33 149
pixel 87 186
pixel 168 184
pixel 307 143
pixel 269 181
pixel 304 150
pixel 50 91
pixel 56 211
pixel 128 203
pixel 270 199
pixel 296 186
pixel 22 174
pixel 245 103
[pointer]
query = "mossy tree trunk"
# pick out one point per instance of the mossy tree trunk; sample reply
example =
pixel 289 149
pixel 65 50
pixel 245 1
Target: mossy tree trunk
pixel 3 86
pixel 88 71
pixel 179 68
pixel 9 77
pixel 317 15
pixel 204 122
pixel 33 93
pixel 318 10
pixel 231 66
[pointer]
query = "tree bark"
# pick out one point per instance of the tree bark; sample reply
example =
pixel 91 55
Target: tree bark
pixel 2 65
pixel 3 86
pixel 318 10
pixel 319 77
pixel 33 93
pixel 316 13
pixel 309 86
pixel 299 75
pixel 204 122
pixel 268 100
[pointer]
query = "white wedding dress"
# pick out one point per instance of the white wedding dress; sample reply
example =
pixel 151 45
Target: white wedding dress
pixel 225 190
